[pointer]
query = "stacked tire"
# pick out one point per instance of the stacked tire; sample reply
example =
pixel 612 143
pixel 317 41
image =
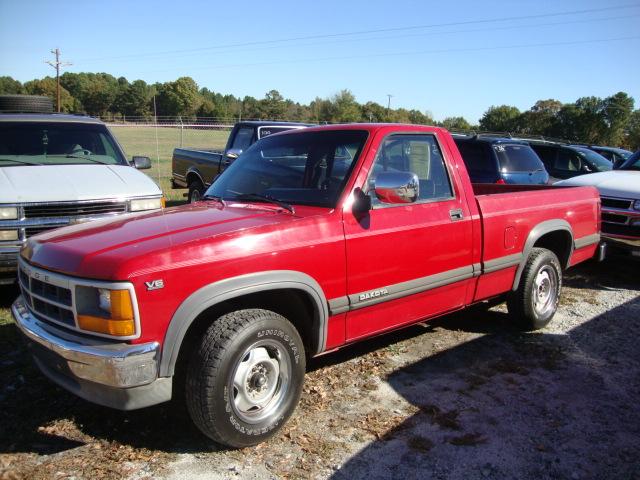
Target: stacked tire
pixel 25 104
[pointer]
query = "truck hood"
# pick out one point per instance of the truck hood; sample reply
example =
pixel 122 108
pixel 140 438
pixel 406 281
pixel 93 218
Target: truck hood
pixel 123 247
pixel 615 183
pixel 63 183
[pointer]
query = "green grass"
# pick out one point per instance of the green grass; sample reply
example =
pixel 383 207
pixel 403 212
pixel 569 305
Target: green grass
pixel 142 141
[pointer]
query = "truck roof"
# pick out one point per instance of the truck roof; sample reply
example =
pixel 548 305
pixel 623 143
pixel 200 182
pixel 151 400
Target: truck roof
pixel 262 123
pixel 48 117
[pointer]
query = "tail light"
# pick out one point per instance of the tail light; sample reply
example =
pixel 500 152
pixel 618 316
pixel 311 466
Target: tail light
pixel 501 181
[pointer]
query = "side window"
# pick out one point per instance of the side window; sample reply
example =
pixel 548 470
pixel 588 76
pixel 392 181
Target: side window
pixel 243 138
pixel 547 155
pixel 419 154
pixel 568 161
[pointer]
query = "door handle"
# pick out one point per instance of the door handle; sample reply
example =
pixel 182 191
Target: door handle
pixel 455 214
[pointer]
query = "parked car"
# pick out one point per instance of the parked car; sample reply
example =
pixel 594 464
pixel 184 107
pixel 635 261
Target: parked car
pixel 492 159
pixel 196 169
pixel 565 161
pixel 291 254
pixel 616 156
pixel 58 170
pixel 620 194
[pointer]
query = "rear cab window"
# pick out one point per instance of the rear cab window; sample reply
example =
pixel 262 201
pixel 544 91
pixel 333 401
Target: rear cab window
pixel 477 158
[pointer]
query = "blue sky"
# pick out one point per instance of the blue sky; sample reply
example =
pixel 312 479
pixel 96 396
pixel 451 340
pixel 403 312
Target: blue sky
pixel 447 58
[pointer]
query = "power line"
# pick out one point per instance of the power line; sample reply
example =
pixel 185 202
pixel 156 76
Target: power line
pixel 412 35
pixel 363 32
pixel 405 53
pixel 57 64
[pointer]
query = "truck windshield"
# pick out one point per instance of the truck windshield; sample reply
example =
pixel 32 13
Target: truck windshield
pixel 57 143
pixel 517 158
pixel 307 168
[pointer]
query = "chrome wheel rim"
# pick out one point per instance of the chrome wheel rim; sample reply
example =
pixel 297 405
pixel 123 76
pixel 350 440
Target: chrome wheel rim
pixel 260 381
pixel 195 196
pixel 545 290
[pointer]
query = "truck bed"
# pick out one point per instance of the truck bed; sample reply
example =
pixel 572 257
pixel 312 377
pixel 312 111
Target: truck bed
pixel 511 214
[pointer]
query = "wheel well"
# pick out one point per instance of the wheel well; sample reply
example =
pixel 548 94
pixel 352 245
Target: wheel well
pixel 559 242
pixel 192 177
pixel 294 305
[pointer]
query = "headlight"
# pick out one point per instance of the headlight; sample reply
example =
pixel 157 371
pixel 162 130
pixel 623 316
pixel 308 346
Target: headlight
pixel 140 204
pixel 8 235
pixel 636 205
pixel 8 213
pixel 102 310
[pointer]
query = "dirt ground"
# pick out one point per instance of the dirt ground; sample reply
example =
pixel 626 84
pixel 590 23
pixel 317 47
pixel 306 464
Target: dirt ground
pixel 466 396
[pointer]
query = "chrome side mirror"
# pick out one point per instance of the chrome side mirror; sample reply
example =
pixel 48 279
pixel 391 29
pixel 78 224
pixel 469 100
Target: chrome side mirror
pixel 397 187
pixel 141 163
pixel 233 153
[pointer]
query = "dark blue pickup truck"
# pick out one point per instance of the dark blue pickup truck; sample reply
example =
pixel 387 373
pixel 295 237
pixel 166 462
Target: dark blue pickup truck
pixel 196 169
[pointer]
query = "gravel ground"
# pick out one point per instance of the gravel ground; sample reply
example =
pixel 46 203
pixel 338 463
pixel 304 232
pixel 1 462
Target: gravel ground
pixel 465 396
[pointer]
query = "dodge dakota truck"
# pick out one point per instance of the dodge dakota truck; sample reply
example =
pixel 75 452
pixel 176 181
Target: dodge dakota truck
pixel 57 170
pixel 196 169
pixel 313 239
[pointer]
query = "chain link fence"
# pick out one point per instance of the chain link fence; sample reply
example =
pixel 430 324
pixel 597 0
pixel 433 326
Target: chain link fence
pixel 156 139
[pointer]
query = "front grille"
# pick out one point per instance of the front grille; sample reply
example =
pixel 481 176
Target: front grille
pixel 616 203
pixel 613 218
pixel 74 209
pixel 31 231
pixel 49 302
pixel 617 229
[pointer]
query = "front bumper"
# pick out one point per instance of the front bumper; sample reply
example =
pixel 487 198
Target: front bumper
pixel 116 375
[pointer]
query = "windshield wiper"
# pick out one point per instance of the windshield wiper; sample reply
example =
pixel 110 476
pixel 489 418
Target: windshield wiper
pixel 215 198
pixel 21 162
pixel 264 198
pixel 83 157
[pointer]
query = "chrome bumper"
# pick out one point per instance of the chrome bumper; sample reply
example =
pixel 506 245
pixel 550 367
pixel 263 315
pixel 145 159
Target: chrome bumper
pixel 115 375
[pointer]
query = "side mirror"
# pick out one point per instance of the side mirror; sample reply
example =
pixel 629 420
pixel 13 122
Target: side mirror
pixel 361 202
pixel 141 163
pixel 397 187
pixel 233 153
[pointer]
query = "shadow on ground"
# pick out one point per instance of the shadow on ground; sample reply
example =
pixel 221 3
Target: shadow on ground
pixel 512 405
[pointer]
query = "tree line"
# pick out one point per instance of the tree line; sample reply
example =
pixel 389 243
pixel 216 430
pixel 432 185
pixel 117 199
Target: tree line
pixel 605 121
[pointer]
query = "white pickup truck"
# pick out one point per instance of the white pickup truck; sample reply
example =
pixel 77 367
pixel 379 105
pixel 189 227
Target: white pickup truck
pixel 620 194
pixel 58 170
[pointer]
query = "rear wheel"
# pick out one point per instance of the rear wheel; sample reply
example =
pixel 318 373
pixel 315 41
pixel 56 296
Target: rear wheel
pixel 196 191
pixel 535 302
pixel 245 379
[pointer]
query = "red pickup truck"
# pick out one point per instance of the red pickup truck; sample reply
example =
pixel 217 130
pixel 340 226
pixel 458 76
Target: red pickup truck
pixel 311 240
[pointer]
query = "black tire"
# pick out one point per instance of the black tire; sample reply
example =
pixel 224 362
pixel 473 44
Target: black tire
pixel 196 191
pixel 245 378
pixel 535 302
pixel 25 104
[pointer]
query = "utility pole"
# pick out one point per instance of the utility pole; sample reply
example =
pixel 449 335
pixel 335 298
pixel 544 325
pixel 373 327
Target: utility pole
pixel 57 64
pixel 389 102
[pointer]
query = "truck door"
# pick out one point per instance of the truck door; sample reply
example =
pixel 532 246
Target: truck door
pixel 408 261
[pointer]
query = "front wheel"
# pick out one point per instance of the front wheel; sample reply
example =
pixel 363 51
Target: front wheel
pixel 535 301
pixel 245 379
